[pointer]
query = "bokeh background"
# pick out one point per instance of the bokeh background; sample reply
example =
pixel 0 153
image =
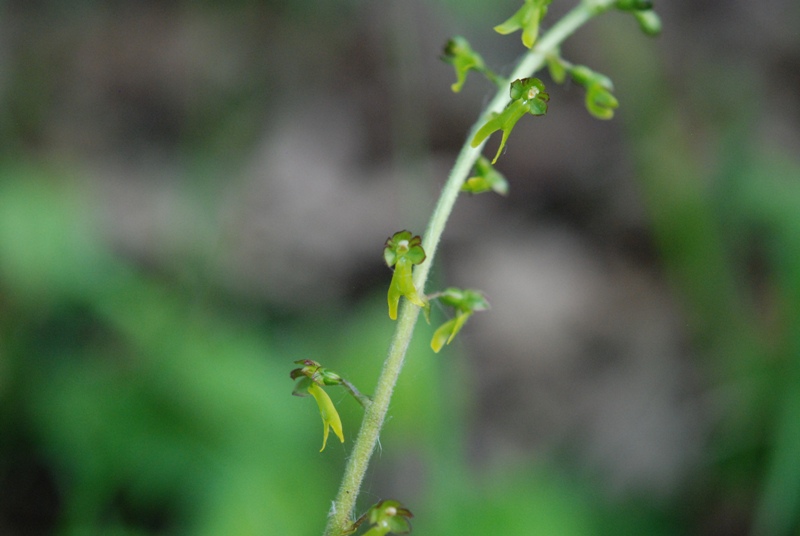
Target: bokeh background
pixel 195 194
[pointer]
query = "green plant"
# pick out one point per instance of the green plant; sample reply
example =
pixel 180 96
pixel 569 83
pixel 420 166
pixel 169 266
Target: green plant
pixel 519 94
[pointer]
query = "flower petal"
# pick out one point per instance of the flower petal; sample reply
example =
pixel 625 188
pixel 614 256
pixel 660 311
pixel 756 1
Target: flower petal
pixel 330 417
pixel 402 284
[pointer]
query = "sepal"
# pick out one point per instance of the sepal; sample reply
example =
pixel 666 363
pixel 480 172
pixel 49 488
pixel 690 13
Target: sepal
pixel 460 55
pixel 313 372
pixel 301 387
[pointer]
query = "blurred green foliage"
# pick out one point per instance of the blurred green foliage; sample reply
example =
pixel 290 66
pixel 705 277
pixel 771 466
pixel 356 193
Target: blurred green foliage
pixel 155 412
pixel 142 401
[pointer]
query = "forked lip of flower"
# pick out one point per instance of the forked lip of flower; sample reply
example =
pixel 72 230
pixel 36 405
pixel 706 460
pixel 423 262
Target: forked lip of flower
pixel 330 417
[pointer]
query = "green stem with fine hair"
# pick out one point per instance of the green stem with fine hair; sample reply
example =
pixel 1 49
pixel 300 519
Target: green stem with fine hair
pixel 340 516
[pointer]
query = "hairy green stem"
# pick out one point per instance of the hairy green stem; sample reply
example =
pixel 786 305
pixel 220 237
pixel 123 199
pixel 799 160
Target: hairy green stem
pixel 341 512
pixel 362 399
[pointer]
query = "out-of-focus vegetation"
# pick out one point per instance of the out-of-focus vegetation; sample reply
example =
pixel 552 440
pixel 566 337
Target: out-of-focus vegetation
pixel 144 382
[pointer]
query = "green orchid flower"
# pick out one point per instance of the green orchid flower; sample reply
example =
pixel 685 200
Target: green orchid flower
pixel 528 97
pixel 314 372
pixel 460 55
pixel 486 179
pixel 465 302
pixel 600 102
pixel 311 377
pixel 402 251
pixel 389 517
pixel 527 19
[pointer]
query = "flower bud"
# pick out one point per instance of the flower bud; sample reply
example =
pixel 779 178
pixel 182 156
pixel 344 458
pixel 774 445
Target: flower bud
pixel 649 22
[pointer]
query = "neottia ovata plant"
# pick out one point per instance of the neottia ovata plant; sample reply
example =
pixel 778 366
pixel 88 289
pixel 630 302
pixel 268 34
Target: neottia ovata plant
pixel 410 256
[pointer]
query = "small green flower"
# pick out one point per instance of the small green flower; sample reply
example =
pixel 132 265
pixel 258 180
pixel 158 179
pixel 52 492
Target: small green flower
pixel 460 55
pixel 600 102
pixel 528 97
pixel 311 377
pixel 527 19
pixel 465 302
pixel 389 517
pixel 403 251
pixel 486 178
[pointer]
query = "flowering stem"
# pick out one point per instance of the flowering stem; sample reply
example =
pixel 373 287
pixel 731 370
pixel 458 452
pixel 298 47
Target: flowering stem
pixel 341 512
pixel 529 64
